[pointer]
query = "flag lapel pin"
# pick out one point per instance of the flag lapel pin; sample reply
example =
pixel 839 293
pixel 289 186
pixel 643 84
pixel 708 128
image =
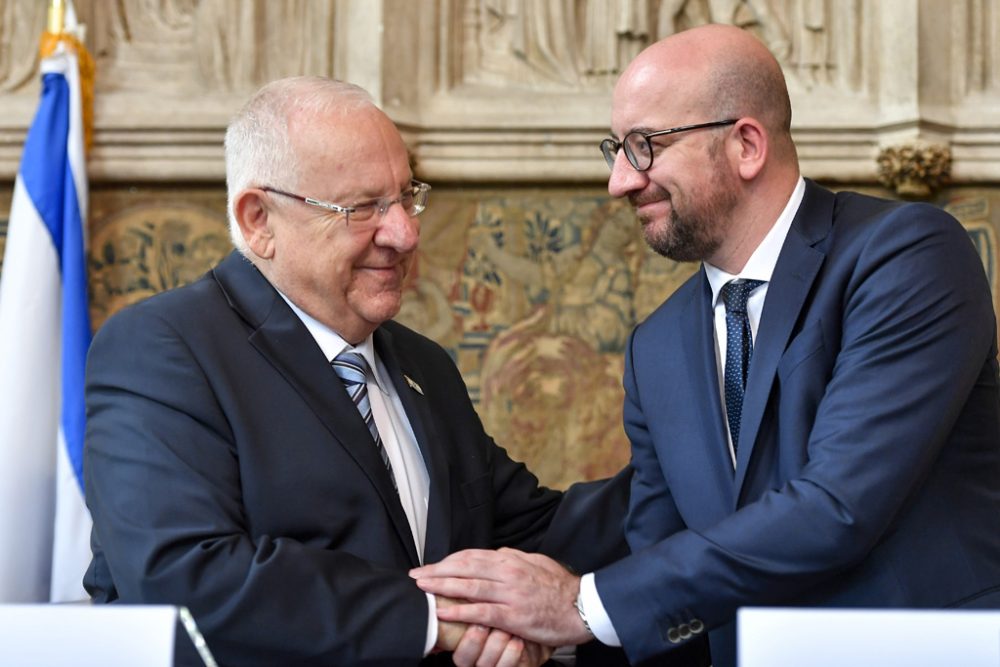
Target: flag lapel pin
pixel 413 385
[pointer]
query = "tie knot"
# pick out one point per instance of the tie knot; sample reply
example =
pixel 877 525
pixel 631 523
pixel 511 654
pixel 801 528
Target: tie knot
pixel 351 367
pixel 735 294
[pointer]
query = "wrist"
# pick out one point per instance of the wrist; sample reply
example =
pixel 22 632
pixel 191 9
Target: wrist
pixel 582 612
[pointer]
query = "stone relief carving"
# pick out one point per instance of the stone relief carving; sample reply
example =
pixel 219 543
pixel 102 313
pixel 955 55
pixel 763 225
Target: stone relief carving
pixel 185 46
pixel 982 66
pixel 815 40
pixel 21 24
pixel 553 43
pixel 914 170
pixel 586 43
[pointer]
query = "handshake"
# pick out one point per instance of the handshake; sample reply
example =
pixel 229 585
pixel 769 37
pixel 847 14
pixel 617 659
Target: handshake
pixel 506 608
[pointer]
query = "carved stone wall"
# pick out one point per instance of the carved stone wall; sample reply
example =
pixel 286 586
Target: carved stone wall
pixel 528 273
pixel 512 90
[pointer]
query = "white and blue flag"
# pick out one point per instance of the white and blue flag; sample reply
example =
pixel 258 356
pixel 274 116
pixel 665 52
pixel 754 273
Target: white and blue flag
pixel 44 336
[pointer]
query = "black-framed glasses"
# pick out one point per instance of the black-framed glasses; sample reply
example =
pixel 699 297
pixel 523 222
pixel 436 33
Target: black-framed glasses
pixel 639 148
pixel 413 199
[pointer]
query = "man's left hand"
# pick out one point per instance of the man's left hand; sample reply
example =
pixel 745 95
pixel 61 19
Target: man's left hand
pixel 528 595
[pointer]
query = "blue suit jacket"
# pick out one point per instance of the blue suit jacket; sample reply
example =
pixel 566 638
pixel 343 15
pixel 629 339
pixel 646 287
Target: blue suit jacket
pixel 868 472
pixel 227 470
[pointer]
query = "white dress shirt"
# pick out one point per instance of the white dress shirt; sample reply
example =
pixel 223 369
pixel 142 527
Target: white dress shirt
pixel 760 266
pixel 408 467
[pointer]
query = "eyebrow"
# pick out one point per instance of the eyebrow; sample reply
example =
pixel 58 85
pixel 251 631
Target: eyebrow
pixel 369 198
pixel 644 129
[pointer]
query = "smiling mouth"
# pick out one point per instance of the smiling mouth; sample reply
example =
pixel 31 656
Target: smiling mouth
pixel 646 211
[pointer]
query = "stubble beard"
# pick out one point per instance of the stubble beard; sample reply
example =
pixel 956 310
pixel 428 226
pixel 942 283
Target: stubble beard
pixel 695 234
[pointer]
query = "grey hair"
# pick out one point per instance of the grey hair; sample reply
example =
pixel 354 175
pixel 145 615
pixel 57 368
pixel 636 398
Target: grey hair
pixel 258 149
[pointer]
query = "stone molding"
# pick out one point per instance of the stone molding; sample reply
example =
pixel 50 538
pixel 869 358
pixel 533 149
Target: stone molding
pixel 512 91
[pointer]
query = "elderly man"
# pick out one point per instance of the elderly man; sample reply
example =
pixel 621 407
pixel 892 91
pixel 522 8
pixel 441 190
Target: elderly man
pixel 813 416
pixel 268 448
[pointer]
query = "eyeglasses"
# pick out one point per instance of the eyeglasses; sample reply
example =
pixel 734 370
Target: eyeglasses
pixel 639 148
pixel 413 200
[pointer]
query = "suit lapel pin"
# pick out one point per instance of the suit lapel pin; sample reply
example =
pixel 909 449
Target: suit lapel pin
pixel 413 385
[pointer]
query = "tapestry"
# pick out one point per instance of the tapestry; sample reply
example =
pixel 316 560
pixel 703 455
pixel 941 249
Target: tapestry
pixel 533 292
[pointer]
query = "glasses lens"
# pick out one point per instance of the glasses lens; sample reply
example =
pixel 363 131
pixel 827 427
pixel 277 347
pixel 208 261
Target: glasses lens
pixel 362 212
pixel 638 150
pixel 412 200
pixel 415 199
pixel 609 147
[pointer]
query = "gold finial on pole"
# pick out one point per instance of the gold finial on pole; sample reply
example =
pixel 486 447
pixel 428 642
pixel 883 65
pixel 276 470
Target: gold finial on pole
pixel 57 15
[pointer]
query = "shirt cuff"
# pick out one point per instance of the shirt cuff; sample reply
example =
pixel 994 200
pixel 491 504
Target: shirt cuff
pixel 597 616
pixel 432 625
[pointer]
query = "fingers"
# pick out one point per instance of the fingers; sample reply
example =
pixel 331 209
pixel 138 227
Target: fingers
pixel 478 613
pixel 470 646
pixel 477 574
pixel 466 589
pixel 534 654
pixel 512 654
pixel 449 635
pixel 527 595
pixel 482 647
pixel 479 563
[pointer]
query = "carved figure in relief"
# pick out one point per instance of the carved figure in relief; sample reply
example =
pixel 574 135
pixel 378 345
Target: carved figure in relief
pixel 614 33
pixel 242 43
pixel 21 21
pixel 562 42
pixel 217 45
pixel 144 44
pixel 799 32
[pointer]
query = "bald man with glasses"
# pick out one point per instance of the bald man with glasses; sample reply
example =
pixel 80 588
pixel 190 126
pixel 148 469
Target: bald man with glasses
pixel 269 449
pixel 814 416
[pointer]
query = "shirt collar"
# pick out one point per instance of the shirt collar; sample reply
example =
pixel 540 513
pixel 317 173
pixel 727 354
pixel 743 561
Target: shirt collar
pixel 761 264
pixel 332 344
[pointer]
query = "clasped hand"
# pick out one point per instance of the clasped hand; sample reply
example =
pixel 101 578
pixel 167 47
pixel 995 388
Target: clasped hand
pixel 522 596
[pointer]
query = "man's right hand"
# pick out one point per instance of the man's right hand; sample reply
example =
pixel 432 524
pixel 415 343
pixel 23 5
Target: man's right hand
pixel 479 646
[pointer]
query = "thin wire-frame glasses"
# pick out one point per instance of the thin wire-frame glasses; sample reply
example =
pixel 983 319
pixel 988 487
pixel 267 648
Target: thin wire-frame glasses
pixel 362 215
pixel 639 148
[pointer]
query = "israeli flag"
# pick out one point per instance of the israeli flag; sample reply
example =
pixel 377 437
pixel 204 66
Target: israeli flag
pixel 44 336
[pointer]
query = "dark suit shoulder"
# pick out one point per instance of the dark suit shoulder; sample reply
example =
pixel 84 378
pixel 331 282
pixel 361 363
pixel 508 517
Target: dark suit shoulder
pixel 679 304
pixel 856 213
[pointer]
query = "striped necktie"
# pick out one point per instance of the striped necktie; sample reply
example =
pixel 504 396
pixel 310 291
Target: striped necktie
pixel 352 369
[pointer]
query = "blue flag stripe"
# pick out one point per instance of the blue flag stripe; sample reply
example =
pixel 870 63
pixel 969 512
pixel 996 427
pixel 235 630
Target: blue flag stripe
pixel 48 177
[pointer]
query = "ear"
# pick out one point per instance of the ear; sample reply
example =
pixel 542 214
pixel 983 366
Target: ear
pixel 251 210
pixel 751 147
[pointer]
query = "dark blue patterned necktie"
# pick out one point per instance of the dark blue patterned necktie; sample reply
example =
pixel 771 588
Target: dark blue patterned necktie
pixel 352 369
pixel 739 348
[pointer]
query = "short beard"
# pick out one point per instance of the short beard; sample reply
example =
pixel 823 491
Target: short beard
pixel 696 234
pixel 688 238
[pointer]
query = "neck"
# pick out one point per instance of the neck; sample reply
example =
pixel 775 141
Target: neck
pixel 761 205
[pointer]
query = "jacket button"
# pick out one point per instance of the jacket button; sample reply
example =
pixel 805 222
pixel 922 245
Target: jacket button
pixel 673 636
pixel 697 627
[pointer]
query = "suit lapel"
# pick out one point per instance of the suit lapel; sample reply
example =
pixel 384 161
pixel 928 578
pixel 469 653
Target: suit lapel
pixel 706 400
pixel 286 343
pixel 798 264
pixel 404 375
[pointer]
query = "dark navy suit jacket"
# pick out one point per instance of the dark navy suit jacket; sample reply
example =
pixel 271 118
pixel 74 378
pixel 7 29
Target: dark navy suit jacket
pixel 227 470
pixel 868 469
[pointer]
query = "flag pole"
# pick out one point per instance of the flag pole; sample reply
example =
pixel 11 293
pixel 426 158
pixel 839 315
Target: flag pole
pixel 57 16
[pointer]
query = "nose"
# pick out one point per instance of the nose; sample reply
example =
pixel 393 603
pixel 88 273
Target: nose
pixel 398 230
pixel 624 177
